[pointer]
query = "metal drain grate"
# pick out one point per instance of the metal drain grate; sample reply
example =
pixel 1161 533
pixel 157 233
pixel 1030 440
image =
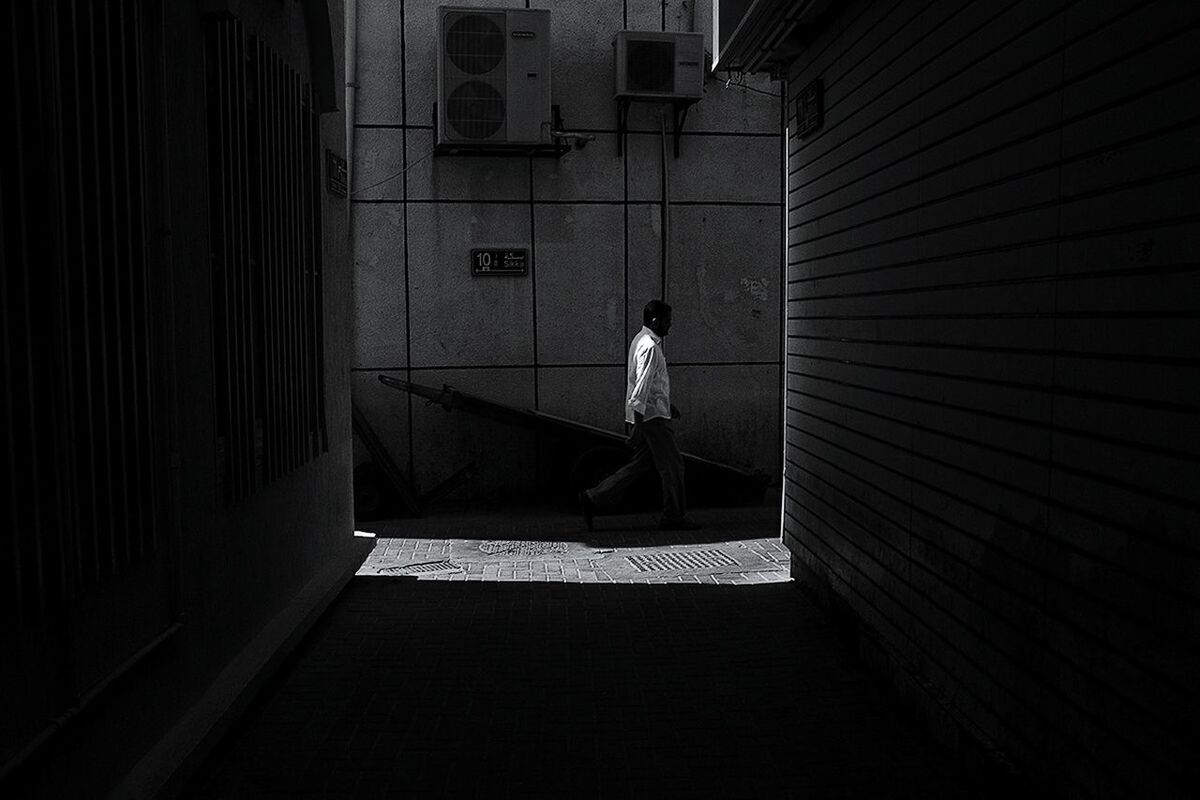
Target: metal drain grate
pixel 514 548
pixel 425 567
pixel 687 559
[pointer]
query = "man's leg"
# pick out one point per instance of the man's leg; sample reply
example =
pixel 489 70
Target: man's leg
pixel 659 435
pixel 610 490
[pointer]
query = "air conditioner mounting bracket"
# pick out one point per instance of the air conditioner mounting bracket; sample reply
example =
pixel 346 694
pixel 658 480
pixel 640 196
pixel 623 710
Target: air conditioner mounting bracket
pixel 555 149
pixel 679 110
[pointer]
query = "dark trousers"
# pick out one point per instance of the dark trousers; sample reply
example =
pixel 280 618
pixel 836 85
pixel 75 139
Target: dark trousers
pixel 654 447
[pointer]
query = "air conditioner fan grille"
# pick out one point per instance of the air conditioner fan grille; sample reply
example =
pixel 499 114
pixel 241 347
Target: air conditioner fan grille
pixel 475 110
pixel 650 66
pixel 475 44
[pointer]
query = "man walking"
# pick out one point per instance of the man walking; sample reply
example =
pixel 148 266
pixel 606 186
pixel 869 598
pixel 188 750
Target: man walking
pixel 648 409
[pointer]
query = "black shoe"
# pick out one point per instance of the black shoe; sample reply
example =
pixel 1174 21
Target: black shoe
pixel 587 509
pixel 682 524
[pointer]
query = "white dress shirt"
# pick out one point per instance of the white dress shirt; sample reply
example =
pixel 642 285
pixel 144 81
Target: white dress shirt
pixel 647 387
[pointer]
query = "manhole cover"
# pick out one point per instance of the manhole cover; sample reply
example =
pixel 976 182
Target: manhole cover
pixel 687 559
pixel 427 566
pixel 523 548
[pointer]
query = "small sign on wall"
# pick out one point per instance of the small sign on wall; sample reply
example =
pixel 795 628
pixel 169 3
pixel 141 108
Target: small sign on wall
pixel 335 173
pixel 810 109
pixel 499 261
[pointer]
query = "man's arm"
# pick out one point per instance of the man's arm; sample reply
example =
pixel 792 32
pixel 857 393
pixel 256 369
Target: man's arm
pixel 641 387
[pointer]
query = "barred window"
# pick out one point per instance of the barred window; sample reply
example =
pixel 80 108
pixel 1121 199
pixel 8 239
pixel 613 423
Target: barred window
pixel 265 229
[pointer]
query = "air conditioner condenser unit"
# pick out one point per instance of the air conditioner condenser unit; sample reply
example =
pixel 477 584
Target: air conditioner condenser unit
pixel 664 66
pixel 493 73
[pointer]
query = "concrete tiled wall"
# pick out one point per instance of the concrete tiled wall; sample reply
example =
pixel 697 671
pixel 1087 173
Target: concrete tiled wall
pixel 593 222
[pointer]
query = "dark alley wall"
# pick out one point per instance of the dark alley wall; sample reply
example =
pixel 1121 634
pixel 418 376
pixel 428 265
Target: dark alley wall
pixel 556 339
pixel 992 369
pixel 235 574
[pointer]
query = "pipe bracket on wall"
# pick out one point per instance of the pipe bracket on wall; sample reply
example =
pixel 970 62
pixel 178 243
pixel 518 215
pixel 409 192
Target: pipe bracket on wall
pixel 679 107
pixel 622 123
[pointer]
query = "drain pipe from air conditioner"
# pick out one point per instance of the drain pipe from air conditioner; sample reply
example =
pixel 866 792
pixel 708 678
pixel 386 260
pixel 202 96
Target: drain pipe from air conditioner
pixel 351 43
pixel 666 202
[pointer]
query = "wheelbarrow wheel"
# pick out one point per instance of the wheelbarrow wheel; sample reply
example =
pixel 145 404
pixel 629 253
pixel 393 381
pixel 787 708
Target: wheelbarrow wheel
pixel 595 464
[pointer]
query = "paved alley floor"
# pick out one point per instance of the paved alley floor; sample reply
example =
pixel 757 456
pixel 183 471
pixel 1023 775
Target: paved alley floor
pixel 552 663
pixel 735 546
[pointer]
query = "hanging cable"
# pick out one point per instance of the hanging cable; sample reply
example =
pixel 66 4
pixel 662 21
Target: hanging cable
pixel 740 82
pixel 393 175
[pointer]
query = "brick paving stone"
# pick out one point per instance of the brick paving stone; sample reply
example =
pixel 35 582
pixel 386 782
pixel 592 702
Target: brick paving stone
pixel 570 554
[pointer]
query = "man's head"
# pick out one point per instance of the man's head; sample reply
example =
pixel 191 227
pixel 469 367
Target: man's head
pixel 657 317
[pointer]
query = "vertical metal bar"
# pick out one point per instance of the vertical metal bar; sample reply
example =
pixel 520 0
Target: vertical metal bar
pixel 254 256
pixel 316 161
pixel 70 508
pixel 270 206
pixel 297 271
pixel 99 299
pixel 223 379
pixel 212 75
pixel 237 267
pixel 246 440
pixel 118 275
pixel 234 443
pixel 232 311
pixel 253 315
pixel 127 271
pixel 20 267
pixel 152 445
pixel 229 385
pixel 215 76
pixel 315 197
pixel 6 371
pixel 318 277
pixel 139 411
pixel 277 217
pixel 305 198
pixel 275 210
pixel 288 261
pixel 264 254
pixel 79 319
pixel 267 156
pixel 286 288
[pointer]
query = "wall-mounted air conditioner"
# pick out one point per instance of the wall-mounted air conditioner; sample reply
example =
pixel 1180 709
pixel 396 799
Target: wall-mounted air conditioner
pixel 666 66
pixel 493 73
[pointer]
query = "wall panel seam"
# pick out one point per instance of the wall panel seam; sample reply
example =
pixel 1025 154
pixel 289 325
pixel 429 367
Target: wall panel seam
pixel 1179 548
pixel 1029 599
pixel 983 638
pixel 1029 422
pixel 930 658
pixel 1077 393
pixel 1023 244
pixel 1085 275
pixel 1058 164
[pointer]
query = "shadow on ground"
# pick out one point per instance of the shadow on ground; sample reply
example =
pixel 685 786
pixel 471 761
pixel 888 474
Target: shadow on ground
pixel 539 524
pixel 414 688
